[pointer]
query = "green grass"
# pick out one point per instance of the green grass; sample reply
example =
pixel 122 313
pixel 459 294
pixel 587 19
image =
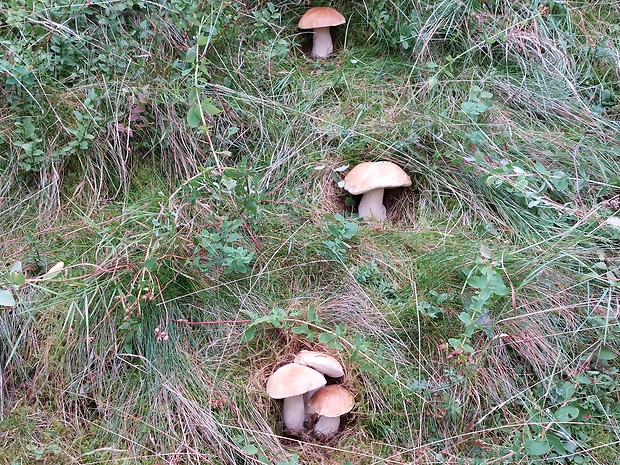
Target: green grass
pixel 504 114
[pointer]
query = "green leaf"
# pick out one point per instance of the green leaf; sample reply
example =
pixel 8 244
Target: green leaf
pixel 478 282
pixel 150 263
pixel 566 413
pixel 560 180
pixel 556 444
pixel 209 109
pixel 606 354
pixel 536 447
pixel 194 118
pixel 250 449
pixel 16 274
pixel 538 166
pixel 17 278
pixel 367 366
pixel 6 298
pixel 248 334
pixel 467 349
pixel 334 230
pixel 498 287
pixel 202 40
pixel 568 389
pixel 465 318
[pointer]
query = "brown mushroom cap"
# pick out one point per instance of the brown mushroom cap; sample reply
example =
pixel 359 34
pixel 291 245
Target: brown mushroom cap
pixel 320 16
pixel 369 176
pixel 321 362
pixel 293 380
pixel 331 401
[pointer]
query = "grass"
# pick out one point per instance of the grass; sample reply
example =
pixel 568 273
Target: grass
pixel 504 114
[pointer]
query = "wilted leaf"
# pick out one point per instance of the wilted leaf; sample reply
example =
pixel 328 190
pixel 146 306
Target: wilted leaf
pixel 486 252
pixel 53 271
pixel 17 266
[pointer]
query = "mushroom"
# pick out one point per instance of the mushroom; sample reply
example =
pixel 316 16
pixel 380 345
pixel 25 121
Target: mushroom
pixel 330 402
pixel 320 19
pixel 321 362
pixel 290 382
pixel 370 179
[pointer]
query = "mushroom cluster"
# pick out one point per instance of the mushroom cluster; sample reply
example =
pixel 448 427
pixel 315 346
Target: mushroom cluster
pixel 303 387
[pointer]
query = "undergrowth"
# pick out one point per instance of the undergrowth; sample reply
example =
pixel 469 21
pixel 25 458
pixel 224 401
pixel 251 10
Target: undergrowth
pixel 178 166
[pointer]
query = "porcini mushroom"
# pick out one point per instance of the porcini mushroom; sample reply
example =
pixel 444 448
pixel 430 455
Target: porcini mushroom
pixel 370 179
pixel 290 382
pixel 323 363
pixel 330 402
pixel 320 19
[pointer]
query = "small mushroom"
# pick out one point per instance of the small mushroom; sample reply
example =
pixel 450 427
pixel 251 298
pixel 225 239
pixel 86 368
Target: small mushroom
pixel 323 363
pixel 320 19
pixel 370 179
pixel 330 402
pixel 290 382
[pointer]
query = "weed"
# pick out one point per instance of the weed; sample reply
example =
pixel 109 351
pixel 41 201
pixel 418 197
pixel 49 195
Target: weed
pixel 489 285
pixel 341 230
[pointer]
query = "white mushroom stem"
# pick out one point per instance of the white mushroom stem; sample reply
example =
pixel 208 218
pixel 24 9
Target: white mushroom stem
pixel 327 426
pixel 294 412
pixel 322 44
pixel 371 205
pixel 309 410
